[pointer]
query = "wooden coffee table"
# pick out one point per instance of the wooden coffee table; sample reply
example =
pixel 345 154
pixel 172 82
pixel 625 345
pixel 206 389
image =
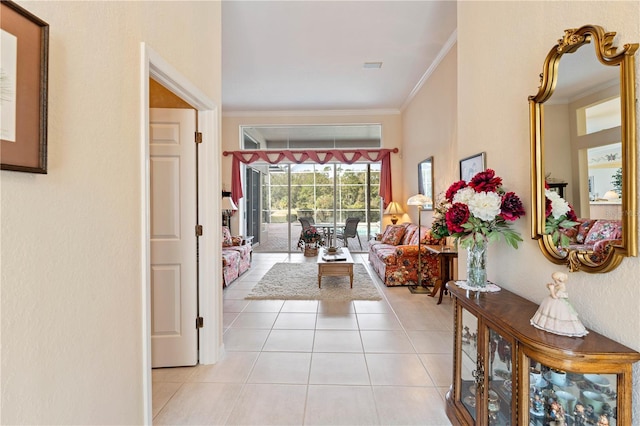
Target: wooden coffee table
pixel 335 268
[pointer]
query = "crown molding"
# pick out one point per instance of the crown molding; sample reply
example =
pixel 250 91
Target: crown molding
pixel 451 41
pixel 312 113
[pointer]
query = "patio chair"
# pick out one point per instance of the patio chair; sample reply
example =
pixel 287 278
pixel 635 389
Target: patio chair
pixel 350 230
pixel 306 222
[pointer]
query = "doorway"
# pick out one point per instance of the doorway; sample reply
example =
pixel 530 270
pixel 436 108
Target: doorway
pixel 209 163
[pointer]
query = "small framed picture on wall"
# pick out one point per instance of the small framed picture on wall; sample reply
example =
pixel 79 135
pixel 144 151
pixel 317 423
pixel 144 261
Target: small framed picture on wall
pixel 471 165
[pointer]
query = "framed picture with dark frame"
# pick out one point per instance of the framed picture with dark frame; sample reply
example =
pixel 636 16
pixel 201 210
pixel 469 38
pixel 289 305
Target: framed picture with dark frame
pixel 471 165
pixel 23 94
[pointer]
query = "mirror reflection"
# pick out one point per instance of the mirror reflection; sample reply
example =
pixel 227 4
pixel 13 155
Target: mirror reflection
pixel 425 181
pixel 583 148
pixel 583 152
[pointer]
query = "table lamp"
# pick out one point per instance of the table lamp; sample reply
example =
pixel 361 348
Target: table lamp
pixel 419 200
pixel 394 209
pixel 228 207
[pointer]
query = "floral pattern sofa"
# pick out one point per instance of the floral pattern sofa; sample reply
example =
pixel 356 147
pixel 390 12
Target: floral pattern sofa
pixel 394 255
pixel 236 257
pixel 596 235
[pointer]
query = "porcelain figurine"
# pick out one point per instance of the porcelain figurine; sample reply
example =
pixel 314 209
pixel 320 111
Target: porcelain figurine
pixel 556 414
pixel 579 416
pixel 555 314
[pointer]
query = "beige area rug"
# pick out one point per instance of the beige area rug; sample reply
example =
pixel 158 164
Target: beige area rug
pixel 299 281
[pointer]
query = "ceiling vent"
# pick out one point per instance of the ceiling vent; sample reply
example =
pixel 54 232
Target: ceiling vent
pixel 372 65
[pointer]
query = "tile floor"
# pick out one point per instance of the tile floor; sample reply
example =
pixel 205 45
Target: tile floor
pixel 385 362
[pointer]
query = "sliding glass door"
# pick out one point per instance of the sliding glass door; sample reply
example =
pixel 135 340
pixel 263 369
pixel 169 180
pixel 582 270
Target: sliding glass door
pixel 325 196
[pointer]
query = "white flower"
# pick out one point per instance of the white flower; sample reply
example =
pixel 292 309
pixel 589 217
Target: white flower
pixel 559 206
pixel 485 205
pixel 464 195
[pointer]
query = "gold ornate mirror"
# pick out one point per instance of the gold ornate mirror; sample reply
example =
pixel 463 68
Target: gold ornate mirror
pixel 583 147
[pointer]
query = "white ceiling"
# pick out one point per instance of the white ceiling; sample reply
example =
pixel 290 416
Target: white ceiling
pixel 309 55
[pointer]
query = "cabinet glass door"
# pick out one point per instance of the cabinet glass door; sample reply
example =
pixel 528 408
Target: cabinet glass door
pixel 469 362
pixel 565 397
pixel 499 365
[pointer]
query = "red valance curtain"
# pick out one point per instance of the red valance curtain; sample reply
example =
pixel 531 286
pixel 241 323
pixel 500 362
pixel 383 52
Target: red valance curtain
pixel 348 156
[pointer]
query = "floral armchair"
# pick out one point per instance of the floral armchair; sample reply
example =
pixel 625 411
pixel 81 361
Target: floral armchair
pixel 236 257
pixel 394 255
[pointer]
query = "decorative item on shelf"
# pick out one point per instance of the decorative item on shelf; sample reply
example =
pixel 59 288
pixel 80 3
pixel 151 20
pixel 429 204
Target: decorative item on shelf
pixel 477 213
pixel 419 200
pixel 559 218
pixel 394 209
pixel 555 314
pixel 228 208
pixel 310 240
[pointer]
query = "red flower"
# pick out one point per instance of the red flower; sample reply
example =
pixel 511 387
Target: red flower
pixel 571 214
pixel 548 207
pixel 511 208
pixel 485 181
pixel 456 216
pixel 455 187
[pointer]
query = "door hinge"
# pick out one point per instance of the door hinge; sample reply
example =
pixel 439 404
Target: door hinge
pixel 199 231
pixel 198 137
pixel 199 322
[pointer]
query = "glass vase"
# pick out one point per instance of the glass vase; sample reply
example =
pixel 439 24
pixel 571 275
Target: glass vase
pixel 477 264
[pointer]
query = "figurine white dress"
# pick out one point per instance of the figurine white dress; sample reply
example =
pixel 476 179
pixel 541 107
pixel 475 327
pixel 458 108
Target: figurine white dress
pixel 555 314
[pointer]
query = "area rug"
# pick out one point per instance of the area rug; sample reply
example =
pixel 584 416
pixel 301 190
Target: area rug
pixel 299 281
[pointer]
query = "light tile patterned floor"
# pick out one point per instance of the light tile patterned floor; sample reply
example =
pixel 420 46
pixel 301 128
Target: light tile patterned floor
pixel 385 362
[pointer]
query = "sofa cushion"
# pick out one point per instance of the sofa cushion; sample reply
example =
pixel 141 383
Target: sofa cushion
pixel 226 237
pixel 230 257
pixel 393 235
pixel 387 253
pixel 425 237
pixel 583 229
pixel 409 233
pixel 244 250
pixel 604 230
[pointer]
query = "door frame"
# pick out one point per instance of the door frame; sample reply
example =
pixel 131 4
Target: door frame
pixel 209 177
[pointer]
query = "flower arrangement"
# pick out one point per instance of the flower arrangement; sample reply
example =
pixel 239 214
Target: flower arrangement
pixel 559 217
pixel 439 226
pixel 480 211
pixel 310 236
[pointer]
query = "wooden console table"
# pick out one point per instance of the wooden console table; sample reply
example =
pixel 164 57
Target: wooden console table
pixel 446 254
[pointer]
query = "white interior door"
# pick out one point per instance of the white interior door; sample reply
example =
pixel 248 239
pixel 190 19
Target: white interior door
pixel 172 152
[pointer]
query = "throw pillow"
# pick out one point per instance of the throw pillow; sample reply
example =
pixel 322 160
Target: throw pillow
pixel 236 241
pixel 393 235
pixel 226 237
pixel 583 229
pixel 604 230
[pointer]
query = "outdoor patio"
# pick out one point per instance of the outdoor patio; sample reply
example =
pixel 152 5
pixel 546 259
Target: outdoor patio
pixel 277 239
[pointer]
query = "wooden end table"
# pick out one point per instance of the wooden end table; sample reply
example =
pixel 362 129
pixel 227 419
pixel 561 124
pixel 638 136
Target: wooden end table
pixel 446 254
pixel 335 268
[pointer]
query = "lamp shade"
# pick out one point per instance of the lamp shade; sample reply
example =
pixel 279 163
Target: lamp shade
pixel 228 204
pixel 611 195
pixel 418 200
pixel 393 208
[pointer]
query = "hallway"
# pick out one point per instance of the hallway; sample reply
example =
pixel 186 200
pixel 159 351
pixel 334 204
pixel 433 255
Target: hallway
pixel 293 362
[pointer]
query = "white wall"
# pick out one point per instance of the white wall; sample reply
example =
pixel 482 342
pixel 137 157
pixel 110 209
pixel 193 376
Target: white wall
pixel 429 127
pixel 71 255
pixel 501 49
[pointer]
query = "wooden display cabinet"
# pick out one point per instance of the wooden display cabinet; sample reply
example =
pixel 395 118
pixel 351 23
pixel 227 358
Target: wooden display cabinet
pixel 507 372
